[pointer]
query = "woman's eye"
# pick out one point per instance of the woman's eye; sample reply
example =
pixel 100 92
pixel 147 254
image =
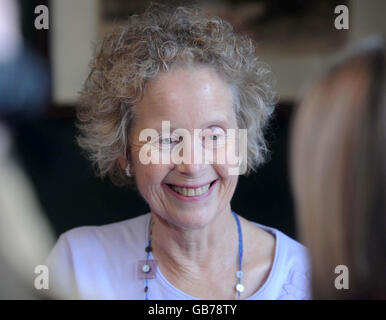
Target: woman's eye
pixel 165 141
pixel 214 140
pixel 169 141
pixel 214 137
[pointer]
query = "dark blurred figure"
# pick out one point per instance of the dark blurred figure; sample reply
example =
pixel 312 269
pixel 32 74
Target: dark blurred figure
pixel 24 76
pixel 339 175
pixel 25 234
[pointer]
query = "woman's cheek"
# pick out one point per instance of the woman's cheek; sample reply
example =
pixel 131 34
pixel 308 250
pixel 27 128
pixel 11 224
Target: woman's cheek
pixel 225 161
pixel 222 170
pixel 151 176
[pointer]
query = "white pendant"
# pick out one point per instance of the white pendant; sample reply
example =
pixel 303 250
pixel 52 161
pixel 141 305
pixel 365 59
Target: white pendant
pixel 239 287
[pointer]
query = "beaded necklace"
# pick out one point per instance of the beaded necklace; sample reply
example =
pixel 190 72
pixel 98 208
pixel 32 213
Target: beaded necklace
pixel 149 265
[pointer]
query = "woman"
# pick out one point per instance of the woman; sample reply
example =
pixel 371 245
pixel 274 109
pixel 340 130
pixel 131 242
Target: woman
pixel 175 66
pixel 339 177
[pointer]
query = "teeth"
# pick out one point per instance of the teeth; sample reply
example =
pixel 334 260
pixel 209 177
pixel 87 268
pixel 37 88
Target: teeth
pixel 191 192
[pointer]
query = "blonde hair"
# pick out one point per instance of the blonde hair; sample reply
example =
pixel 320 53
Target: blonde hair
pixel 151 43
pixel 339 176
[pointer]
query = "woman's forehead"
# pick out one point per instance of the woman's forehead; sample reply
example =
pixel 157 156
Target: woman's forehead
pixel 183 84
pixel 187 96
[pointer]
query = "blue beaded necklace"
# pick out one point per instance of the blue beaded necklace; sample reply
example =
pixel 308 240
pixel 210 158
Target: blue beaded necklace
pixel 149 264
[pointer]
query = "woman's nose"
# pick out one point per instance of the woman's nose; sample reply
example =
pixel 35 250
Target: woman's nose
pixel 192 162
pixel 189 169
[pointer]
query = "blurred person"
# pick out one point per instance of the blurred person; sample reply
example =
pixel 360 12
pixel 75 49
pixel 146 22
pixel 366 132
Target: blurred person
pixel 25 233
pixel 24 80
pixel 338 156
pixel 172 63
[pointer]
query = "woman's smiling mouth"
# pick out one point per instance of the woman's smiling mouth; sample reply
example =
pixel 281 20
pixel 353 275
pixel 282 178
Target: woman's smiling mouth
pixel 191 193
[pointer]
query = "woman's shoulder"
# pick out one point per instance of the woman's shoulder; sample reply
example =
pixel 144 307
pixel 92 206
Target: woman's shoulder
pixel 89 242
pixel 291 251
pixel 133 228
pixel 84 254
pixel 290 274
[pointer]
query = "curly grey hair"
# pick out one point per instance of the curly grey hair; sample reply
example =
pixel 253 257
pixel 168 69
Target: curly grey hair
pixel 153 42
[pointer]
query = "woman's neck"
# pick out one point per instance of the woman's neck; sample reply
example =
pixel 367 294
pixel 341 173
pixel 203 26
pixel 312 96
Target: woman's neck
pixel 191 252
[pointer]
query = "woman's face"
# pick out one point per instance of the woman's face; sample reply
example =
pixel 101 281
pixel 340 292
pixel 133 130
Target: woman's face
pixel 190 98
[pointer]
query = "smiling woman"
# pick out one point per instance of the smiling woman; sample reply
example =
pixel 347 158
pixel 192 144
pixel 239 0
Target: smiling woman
pixel 174 64
pixel 188 97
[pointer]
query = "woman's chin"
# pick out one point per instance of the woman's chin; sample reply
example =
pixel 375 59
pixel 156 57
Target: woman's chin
pixel 191 219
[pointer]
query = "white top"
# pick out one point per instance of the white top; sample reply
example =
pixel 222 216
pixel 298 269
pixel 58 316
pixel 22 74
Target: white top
pixel 101 262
